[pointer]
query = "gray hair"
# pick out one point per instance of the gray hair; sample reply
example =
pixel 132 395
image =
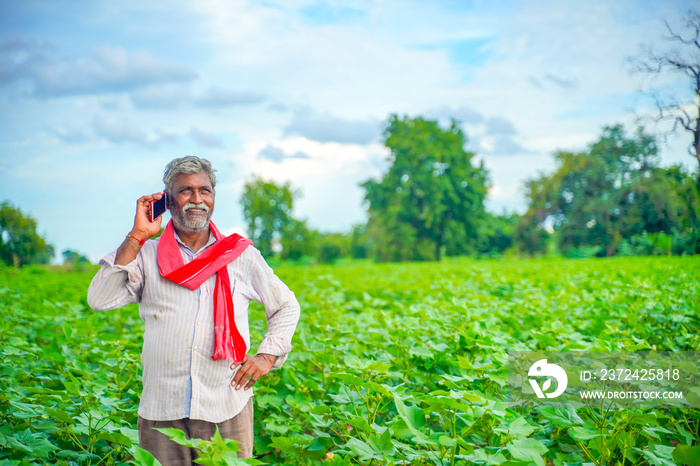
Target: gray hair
pixel 188 165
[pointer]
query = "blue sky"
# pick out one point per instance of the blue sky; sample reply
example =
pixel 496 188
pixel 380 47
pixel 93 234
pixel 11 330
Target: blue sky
pixel 96 97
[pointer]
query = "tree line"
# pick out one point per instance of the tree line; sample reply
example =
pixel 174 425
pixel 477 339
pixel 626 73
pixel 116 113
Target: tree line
pixel 614 198
pixel 611 199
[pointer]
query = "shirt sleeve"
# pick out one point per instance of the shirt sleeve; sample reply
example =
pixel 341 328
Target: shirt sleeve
pixel 114 285
pixel 281 308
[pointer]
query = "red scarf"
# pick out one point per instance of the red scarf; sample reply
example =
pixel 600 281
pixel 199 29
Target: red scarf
pixel 229 343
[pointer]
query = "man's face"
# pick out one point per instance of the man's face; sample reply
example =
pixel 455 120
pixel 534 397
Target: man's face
pixel 191 202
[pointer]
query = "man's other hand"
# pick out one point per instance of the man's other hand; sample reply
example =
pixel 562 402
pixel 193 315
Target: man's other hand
pixel 251 369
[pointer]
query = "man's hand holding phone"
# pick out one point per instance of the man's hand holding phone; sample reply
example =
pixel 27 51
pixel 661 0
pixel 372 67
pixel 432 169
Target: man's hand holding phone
pixel 148 219
pixel 143 229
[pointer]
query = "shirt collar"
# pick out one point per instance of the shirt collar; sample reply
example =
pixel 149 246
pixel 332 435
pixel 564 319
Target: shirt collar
pixel 212 240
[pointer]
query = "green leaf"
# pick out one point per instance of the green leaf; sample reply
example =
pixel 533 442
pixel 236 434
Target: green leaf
pixel 61 415
pixel 687 455
pixel 447 441
pixel 79 456
pixel 583 433
pixel 686 436
pixel 361 424
pixel 179 437
pixel 527 449
pixel 67 329
pixel 562 416
pixel 383 443
pixel 413 417
pixel 284 444
pixel 116 437
pixel 362 450
pixel 659 455
pixel 144 458
pixel 520 428
pixel 41 447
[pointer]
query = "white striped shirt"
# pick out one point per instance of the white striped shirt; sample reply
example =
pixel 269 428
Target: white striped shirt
pixel 179 374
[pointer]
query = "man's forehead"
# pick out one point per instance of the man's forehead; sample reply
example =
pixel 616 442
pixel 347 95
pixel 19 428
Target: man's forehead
pixel 193 180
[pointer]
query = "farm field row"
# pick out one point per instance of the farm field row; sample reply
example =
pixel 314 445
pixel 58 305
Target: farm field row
pixel 392 364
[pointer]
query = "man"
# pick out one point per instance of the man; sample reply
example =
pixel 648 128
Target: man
pixel 193 286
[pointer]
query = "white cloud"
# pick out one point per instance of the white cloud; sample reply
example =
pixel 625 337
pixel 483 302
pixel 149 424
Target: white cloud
pixel 277 155
pixel 327 128
pixel 122 131
pixel 106 70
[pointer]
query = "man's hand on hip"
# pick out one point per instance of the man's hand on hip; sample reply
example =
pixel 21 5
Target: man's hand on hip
pixel 251 369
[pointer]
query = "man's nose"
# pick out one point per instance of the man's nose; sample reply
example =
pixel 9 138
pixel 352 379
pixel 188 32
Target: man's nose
pixel 196 197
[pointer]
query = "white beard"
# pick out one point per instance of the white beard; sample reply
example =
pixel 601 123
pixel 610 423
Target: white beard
pixel 182 223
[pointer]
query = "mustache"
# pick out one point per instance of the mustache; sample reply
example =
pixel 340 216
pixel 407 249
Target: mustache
pixel 192 205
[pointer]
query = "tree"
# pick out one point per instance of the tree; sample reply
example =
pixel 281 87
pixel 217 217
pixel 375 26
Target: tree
pixel 360 243
pixel 298 240
pixel 20 244
pixel 333 246
pixel 267 209
pixel 431 198
pixel 684 60
pixel 613 191
pixel 588 194
pixel 499 234
pixel 75 260
pixel 74 257
pixel 530 237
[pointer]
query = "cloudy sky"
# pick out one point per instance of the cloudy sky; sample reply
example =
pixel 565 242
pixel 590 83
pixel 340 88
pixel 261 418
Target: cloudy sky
pixel 97 96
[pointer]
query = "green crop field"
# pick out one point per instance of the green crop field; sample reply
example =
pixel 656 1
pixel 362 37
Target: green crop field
pixel 392 364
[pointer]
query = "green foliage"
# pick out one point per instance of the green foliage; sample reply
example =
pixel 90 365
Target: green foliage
pixel 298 240
pixel 360 243
pixel 74 260
pixel 392 364
pixel 610 194
pixel 215 452
pixel 70 377
pixel 73 257
pixel 530 237
pixel 430 199
pixel 267 209
pixel 499 233
pixel 20 244
pixel 333 246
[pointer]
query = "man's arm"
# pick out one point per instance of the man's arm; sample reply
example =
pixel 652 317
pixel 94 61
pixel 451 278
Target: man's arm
pixel 118 282
pixel 282 310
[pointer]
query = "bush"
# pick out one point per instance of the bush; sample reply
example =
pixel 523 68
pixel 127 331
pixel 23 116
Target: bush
pixel 584 252
pixel 329 251
pixel 654 244
pixel 686 243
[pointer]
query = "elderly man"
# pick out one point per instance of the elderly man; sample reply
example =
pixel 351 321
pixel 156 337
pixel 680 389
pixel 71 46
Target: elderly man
pixel 193 286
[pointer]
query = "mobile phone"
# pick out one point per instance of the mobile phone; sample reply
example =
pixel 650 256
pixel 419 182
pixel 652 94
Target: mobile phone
pixel 157 207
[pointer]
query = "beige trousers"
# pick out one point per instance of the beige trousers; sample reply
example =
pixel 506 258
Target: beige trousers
pixel 169 453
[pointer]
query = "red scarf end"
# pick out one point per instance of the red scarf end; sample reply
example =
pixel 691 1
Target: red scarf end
pixel 225 349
